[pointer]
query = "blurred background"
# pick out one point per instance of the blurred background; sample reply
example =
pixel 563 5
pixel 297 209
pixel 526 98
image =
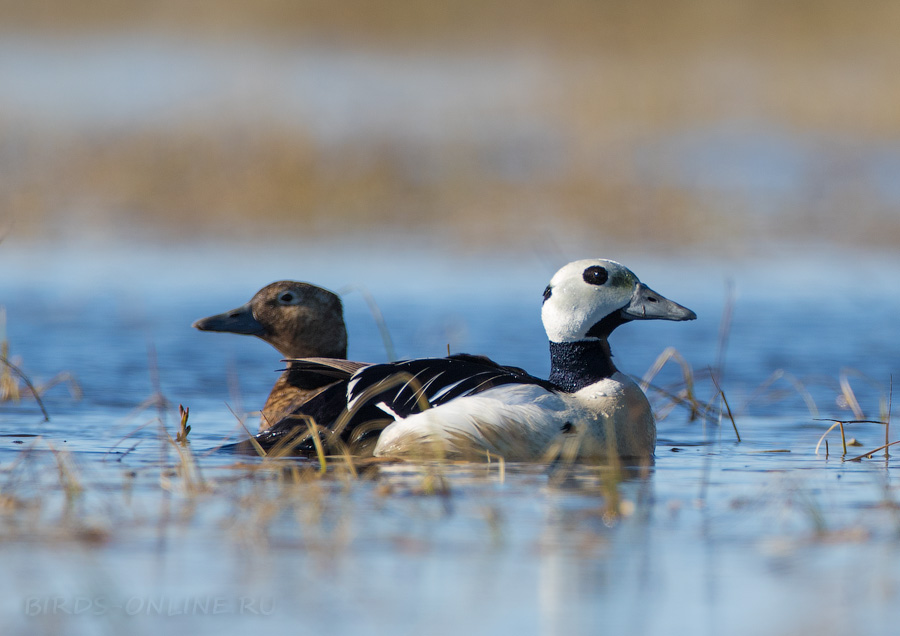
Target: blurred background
pixel 722 127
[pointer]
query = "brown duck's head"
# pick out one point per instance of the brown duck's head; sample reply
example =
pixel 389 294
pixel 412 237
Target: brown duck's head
pixel 298 319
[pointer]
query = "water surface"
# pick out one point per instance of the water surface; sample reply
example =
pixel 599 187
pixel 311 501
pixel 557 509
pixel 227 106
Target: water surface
pixel 761 536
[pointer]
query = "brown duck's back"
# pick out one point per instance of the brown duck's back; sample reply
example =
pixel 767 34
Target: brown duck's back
pixel 304 379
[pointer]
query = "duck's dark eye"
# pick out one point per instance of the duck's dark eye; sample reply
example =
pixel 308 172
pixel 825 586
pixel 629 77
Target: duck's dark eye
pixel 547 293
pixel 595 275
pixel 287 297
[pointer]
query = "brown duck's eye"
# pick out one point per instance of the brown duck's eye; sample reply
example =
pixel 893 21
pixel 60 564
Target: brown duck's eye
pixel 286 297
pixel 595 275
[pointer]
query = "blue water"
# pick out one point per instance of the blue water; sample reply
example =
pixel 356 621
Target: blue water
pixel 718 537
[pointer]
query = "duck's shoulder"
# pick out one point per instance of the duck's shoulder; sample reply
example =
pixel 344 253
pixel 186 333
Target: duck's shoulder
pixel 337 368
pixel 287 396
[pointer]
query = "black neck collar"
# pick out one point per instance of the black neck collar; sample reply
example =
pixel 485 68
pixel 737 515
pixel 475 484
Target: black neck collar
pixel 575 365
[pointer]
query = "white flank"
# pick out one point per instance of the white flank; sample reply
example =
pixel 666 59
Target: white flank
pixel 523 421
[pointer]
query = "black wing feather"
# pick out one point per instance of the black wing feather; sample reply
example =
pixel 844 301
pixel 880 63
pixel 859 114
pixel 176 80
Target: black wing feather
pixel 447 378
pixel 464 374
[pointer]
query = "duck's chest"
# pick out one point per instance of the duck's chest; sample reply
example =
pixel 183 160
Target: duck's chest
pixel 617 407
pixel 613 394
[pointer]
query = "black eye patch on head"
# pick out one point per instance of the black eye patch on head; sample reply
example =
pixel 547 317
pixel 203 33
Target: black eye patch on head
pixel 595 275
pixel 547 293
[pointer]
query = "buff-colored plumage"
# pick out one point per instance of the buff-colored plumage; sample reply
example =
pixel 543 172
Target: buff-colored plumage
pixel 301 321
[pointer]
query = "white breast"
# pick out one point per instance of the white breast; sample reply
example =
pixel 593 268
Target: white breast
pixel 524 422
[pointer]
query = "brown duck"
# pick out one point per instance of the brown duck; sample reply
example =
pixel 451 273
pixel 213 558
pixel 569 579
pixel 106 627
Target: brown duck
pixel 301 321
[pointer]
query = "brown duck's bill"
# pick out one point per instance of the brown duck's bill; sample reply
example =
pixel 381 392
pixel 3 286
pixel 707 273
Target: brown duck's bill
pixel 238 320
pixel 646 304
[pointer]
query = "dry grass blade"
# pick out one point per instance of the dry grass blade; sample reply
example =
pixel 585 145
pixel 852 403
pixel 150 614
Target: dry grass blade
pixel 781 374
pixel 377 316
pixel 188 469
pixel 255 444
pixel 725 331
pixel 872 452
pixel 849 395
pixel 501 467
pixel 841 423
pixel 63 378
pixel 824 435
pixel 703 411
pixel 563 454
pixel 614 478
pixel 288 443
pixel 68 475
pixel 887 419
pixel 317 441
pixel 390 382
pixel 129 436
pixel 9 388
pixel 348 461
pixel 727 408
pixel 669 354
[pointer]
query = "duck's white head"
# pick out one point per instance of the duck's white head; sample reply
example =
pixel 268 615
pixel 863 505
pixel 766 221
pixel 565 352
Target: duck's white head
pixel 587 299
